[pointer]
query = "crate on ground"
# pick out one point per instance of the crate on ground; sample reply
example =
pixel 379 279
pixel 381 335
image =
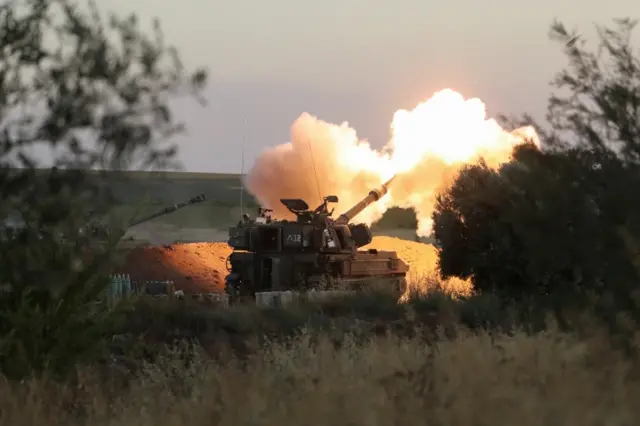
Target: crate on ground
pixel 158 288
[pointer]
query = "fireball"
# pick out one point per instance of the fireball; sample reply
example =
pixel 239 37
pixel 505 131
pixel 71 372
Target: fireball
pixel 428 146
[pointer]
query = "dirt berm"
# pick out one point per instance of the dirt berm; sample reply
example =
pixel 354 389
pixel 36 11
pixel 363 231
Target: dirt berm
pixel 200 267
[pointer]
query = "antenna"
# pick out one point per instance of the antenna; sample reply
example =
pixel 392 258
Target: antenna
pixel 242 183
pixel 313 163
pixel 242 170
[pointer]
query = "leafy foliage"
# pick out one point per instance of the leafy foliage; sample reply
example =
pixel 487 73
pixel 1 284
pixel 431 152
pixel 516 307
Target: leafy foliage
pixel 548 224
pixel 90 93
pixel 598 104
pixel 397 217
pixel 543 224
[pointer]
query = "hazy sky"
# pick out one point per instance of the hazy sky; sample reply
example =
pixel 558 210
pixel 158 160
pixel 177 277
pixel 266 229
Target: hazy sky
pixel 356 60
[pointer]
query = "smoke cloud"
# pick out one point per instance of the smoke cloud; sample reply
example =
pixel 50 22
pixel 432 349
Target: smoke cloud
pixel 429 146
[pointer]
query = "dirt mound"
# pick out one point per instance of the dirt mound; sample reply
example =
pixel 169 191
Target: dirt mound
pixel 193 267
pixel 421 258
pixel 201 267
pixel 423 261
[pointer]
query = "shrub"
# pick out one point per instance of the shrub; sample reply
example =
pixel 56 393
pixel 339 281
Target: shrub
pixel 97 92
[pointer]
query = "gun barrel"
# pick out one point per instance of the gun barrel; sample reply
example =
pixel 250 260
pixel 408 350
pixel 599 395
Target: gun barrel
pixel 198 199
pixel 374 195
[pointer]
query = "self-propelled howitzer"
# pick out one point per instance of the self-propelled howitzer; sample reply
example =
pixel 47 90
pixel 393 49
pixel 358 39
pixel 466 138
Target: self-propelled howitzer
pixel 102 231
pixel 167 210
pixel 314 251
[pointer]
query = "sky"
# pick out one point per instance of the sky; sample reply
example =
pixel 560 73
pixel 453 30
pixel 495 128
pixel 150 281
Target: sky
pixel 355 60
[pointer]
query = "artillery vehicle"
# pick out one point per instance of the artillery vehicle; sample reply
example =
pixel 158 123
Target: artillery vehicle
pixel 94 233
pixel 101 231
pixel 314 252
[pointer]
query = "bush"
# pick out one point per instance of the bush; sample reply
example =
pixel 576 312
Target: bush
pixel 96 91
pixel 547 227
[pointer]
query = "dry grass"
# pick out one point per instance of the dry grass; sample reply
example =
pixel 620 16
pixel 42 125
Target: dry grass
pixel 425 282
pixel 477 380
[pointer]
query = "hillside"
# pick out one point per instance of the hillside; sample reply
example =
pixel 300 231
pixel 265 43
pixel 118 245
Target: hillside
pixel 142 192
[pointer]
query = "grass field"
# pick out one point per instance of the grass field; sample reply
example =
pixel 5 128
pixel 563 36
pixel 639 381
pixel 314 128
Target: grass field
pixel 348 371
pixel 472 381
